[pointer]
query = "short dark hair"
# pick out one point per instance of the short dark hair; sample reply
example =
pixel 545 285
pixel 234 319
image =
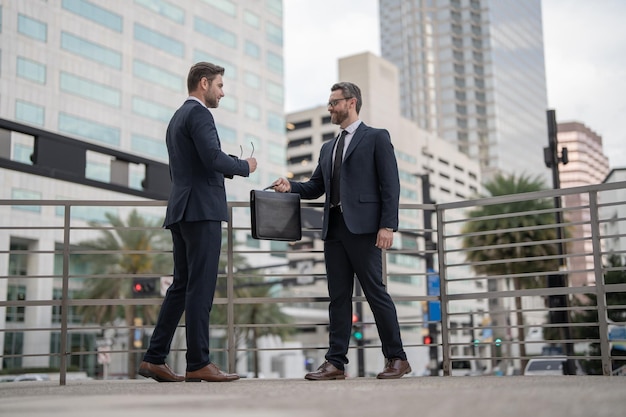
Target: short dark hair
pixel 201 70
pixel 349 90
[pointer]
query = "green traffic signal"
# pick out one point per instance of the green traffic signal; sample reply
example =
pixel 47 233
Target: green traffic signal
pixel 357 334
pixel 498 342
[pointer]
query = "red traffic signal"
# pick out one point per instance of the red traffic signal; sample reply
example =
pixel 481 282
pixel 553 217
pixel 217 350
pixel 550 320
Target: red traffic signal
pixel 427 340
pixel 145 287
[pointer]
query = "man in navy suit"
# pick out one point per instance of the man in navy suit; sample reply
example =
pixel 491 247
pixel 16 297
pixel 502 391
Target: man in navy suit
pixel 358 173
pixel 195 212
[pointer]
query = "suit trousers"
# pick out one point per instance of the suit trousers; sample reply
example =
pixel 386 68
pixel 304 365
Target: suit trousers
pixel 197 247
pixel 345 255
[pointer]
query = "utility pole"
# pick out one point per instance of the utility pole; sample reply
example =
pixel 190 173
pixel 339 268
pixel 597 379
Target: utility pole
pixel 552 160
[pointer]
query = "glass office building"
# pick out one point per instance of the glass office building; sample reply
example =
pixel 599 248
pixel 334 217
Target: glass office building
pixel 473 72
pixel 113 73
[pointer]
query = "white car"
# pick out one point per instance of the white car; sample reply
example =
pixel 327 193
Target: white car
pixel 550 365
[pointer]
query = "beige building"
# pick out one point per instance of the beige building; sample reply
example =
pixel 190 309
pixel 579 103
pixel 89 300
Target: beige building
pixel 587 165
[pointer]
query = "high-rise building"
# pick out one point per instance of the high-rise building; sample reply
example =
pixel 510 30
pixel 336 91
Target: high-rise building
pixel 111 73
pixel 473 72
pixel 587 165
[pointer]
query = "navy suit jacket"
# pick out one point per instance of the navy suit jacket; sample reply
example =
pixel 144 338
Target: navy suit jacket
pixel 197 167
pixel 370 186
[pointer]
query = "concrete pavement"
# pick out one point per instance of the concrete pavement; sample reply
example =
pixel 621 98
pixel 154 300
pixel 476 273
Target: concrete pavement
pixel 485 396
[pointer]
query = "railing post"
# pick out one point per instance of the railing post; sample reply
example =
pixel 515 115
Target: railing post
pixel 230 294
pixel 443 291
pixel 63 351
pixel 603 325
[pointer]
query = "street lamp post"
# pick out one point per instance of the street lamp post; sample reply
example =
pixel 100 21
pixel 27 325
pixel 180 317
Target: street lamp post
pixel 552 160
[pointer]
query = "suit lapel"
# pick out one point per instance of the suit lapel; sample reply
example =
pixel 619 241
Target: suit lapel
pixel 356 139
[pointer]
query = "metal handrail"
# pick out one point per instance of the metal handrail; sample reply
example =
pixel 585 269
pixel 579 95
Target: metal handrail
pixel 444 232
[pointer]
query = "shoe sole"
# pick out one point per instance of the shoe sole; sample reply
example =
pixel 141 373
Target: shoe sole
pixel 148 374
pixel 408 370
pixel 209 380
pixel 338 377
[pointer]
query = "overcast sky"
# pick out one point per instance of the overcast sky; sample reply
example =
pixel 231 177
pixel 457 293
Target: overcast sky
pixel 585 52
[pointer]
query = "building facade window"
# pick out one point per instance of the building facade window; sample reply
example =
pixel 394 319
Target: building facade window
pixel 22 194
pixel 32 28
pixel 275 7
pixel 252 80
pixel 13 345
pixel 89 89
pixel 158 76
pixel 15 314
pixel 215 32
pixel 252 111
pixel 149 146
pixel 89 129
pixel 152 110
pixel 227 134
pixel 94 13
pixel 251 19
pixel 275 92
pixel 252 49
pixel 275 62
pixel 31 70
pixel 229 103
pixel 165 9
pixel 29 113
pixel 226 6
pixel 274 33
pixel 159 41
pixel 91 50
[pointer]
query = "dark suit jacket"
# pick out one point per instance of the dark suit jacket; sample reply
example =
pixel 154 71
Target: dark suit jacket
pixel 197 166
pixel 370 186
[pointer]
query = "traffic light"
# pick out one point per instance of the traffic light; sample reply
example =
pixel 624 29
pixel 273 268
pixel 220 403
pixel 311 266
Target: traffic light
pixel 427 340
pixel 498 342
pixel 145 287
pixel 357 330
pixel 476 342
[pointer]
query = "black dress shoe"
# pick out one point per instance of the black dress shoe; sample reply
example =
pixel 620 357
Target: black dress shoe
pixel 210 373
pixel 326 372
pixel 395 368
pixel 160 373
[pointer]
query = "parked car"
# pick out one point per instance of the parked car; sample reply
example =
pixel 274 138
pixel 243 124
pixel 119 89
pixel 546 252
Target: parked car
pixel 551 365
pixel 31 377
pixel 463 366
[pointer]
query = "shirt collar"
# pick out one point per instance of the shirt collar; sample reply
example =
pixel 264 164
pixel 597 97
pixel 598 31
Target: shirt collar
pixel 198 100
pixel 352 127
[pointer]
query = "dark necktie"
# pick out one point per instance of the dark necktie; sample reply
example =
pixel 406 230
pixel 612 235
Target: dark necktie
pixel 334 185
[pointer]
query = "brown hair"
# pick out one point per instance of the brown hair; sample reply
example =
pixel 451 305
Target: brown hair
pixel 201 70
pixel 349 90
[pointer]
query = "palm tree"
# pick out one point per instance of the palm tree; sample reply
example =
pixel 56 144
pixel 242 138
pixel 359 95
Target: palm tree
pixel 123 253
pixel 499 244
pixel 589 316
pixel 253 313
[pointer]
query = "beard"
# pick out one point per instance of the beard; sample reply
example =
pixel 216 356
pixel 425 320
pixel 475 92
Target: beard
pixel 338 117
pixel 210 100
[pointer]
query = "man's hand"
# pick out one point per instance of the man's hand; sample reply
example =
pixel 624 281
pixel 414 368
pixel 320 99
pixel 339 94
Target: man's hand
pixel 251 164
pixel 384 239
pixel 281 185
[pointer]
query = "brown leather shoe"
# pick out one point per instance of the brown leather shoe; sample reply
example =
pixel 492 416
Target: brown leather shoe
pixel 326 372
pixel 210 373
pixel 160 373
pixel 395 368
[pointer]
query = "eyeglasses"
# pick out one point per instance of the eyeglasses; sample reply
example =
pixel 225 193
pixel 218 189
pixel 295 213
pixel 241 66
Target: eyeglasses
pixel 251 153
pixel 333 103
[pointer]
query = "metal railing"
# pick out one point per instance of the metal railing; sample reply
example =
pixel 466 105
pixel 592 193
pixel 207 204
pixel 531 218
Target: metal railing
pixel 487 320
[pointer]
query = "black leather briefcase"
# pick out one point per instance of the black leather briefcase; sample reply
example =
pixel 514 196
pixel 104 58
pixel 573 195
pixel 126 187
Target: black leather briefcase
pixel 275 216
